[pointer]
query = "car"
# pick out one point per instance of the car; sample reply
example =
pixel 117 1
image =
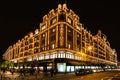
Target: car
pixel 88 71
pixel 79 72
pixel 97 70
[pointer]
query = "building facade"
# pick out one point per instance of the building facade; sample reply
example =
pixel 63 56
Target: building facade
pixel 63 43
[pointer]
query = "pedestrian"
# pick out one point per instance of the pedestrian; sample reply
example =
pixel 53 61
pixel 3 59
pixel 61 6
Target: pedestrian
pixel 51 72
pixel 4 70
pixel 12 71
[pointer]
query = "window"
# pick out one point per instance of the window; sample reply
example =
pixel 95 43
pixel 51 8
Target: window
pixel 30 51
pixel 43 35
pixel 46 56
pixel 78 35
pixel 36 38
pixel 53 20
pixel 70 30
pixel 36 32
pixel 62 17
pixel 41 57
pixel 21 45
pixel 26 43
pixel 36 44
pixel 43 27
pixel 78 27
pixel 30 46
pixel 31 40
pixel 53 55
pixel 21 49
pixel 78 57
pixel 42 49
pixel 53 46
pixel 36 50
pixel 21 55
pixel 70 55
pixel 29 59
pixel 53 37
pixel 69 21
pixel 69 46
pixel 26 53
pixel 53 30
pixel 26 48
pixel 61 54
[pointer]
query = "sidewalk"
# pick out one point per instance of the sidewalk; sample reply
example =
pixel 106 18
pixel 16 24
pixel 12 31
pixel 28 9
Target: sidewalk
pixel 35 76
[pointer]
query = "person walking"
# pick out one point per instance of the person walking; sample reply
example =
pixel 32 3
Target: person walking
pixel 52 72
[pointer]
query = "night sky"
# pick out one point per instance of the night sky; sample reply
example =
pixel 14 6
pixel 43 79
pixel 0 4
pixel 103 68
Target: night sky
pixel 19 17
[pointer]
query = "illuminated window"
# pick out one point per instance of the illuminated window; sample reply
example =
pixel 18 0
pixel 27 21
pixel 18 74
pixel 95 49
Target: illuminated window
pixel 69 30
pixel 35 58
pixel 36 50
pixel 36 32
pixel 53 46
pixel 29 59
pixel 43 27
pixel 78 27
pixel 69 20
pixel 53 55
pixel 30 51
pixel 41 57
pixel 43 49
pixel 78 35
pixel 53 20
pixel 72 68
pixel 53 30
pixel 78 57
pixel 61 67
pixel 46 56
pixel 61 54
pixel 70 55
pixel 36 38
pixel 69 46
pixel 43 35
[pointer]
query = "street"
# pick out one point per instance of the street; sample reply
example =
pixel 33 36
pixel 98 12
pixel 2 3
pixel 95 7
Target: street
pixel 111 75
pixel 108 75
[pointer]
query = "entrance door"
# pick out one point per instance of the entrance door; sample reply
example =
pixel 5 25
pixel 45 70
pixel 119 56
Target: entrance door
pixel 61 67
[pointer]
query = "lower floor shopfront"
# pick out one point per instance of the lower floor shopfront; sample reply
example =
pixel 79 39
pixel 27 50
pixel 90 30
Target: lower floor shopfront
pixel 60 65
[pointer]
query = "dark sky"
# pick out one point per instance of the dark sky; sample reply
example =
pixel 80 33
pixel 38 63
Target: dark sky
pixel 19 17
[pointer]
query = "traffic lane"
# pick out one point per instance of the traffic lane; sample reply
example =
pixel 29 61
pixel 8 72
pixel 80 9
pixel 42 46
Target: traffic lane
pixel 99 76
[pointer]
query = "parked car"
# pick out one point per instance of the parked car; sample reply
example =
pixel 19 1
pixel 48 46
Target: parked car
pixel 88 71
pixel 79 72
pixel 97 70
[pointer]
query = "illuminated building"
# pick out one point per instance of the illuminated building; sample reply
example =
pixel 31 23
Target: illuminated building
pixel 62 42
